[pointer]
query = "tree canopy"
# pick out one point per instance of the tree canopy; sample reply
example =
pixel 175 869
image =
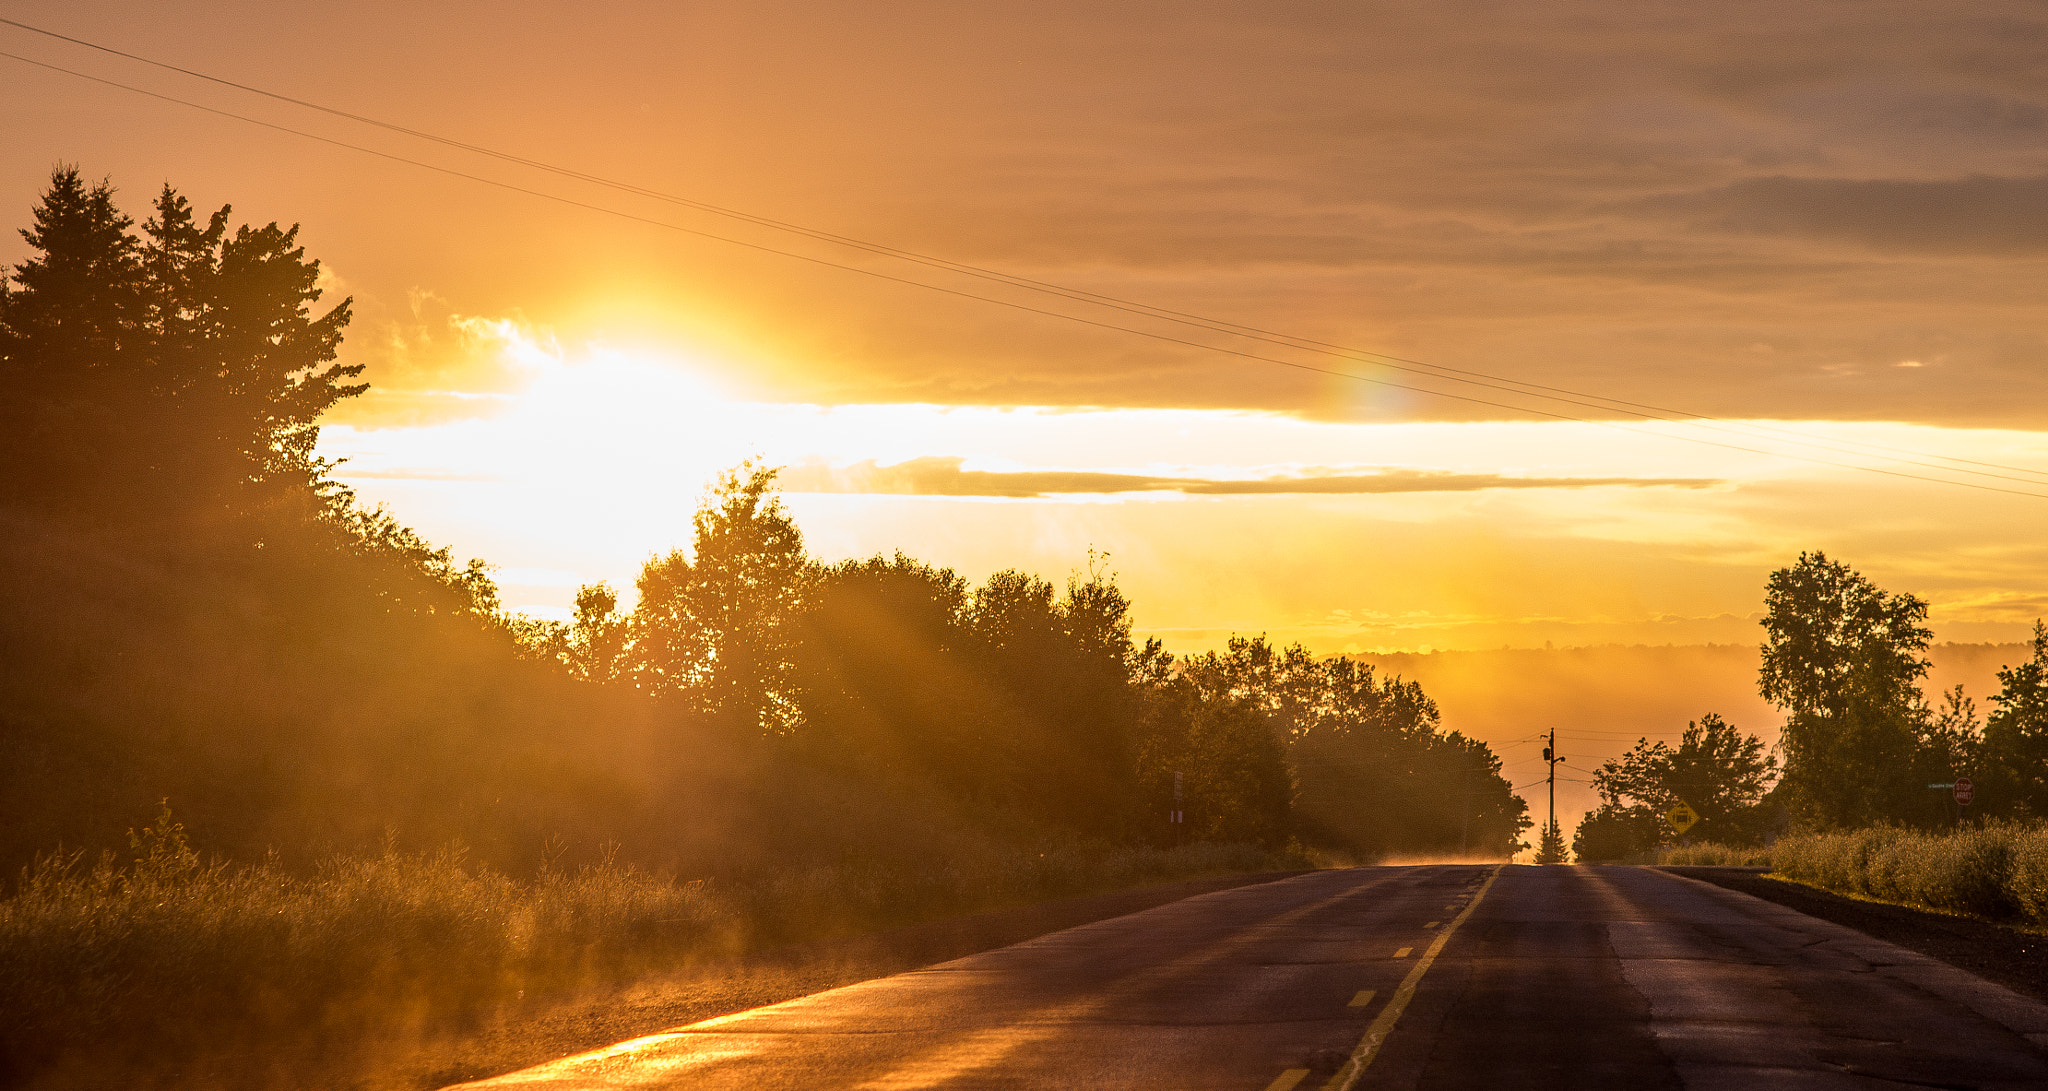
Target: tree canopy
pixel 1716 770
pixel 195 609
pixel 1844 660
pixel 162 375
pixel 2014 747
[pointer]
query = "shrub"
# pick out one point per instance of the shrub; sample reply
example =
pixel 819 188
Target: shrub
pixel 162 965
pixel 1995 871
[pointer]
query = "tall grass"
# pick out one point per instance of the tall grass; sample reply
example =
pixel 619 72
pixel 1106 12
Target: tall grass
pixel 123 975
pixel 1998 871
pixel 1715 854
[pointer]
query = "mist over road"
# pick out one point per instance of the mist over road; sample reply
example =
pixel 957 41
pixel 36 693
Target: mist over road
pixel 1426 976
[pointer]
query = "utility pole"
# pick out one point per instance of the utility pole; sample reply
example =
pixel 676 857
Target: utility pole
pixel 1550 760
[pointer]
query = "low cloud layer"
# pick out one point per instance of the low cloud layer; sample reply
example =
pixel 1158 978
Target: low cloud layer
pixel 940 476
pixel 1982 214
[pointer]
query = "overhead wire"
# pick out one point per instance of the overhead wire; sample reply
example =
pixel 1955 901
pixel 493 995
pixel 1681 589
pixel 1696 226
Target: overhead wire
pixel 1359 355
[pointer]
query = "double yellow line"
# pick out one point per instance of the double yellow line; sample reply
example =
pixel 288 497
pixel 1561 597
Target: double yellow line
pixel 1376 1035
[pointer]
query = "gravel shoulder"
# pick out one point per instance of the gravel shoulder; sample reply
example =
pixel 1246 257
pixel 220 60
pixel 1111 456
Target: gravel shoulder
pixel 572 1025
pixel 2013 957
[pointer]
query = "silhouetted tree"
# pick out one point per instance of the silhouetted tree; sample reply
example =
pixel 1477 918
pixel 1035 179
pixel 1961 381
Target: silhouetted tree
pixel 1716 770
pixel 1373 772
pixel 719 624
pixel 1057 672
pixel 1234 777
pixel 886 679
pixel 1844 660
pixel 2015 740
pixel 164 375
pixel 1550 849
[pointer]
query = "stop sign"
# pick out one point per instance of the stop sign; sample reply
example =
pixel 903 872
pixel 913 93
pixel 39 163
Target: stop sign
pixel 1965 791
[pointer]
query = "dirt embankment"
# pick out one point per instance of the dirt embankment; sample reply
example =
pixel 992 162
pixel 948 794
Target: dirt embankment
pixel 2013 957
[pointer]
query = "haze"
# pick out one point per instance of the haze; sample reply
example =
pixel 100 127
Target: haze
pixel 1816 232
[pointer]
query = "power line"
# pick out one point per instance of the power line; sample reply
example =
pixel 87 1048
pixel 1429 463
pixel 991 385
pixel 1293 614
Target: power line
pixel 1141 309
pixel 1418 367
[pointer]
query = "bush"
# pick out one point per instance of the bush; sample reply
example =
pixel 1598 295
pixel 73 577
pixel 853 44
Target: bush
pixel 108 972
pixel 1997 871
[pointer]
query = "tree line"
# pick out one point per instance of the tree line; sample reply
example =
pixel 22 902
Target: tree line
pixel 1862 745
pixel 196 608
pixel 1029 698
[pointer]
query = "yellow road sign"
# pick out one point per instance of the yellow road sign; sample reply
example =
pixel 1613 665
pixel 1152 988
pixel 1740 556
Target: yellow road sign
pixel 1681 817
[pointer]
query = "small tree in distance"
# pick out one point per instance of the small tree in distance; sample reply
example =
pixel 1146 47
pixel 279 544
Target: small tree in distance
pixel 1716 770
pixel 1550 850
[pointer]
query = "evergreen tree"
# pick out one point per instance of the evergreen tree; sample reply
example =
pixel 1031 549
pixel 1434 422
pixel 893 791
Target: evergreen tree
pixel 162 376
pixel 1550 850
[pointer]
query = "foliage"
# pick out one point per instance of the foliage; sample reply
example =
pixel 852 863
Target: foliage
pixel 1374 774
pixel 2014 750
pixel 334 972
pixel 1997 871
pixel 1719 772
pixel 1844 659
pixel 1550 849
pixel 1716 854
pixel 719 625
pixel 192 610
pixel 163 378
pixel 163 853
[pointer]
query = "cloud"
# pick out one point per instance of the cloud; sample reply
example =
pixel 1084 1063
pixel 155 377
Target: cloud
pixel 428 364
pixel 943 476
pixel 403 473
pixel 1981 214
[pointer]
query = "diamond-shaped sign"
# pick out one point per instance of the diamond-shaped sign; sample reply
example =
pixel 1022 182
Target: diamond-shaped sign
pixel 1681 817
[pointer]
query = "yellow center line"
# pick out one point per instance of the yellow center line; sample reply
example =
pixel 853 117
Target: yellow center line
pixel 1285 1081
pixel 1363 998
pixel 1376 1034
pixel 1432 924
pixel 1403 952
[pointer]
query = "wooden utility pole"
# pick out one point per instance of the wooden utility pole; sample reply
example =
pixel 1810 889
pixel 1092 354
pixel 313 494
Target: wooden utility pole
pixel 1550 760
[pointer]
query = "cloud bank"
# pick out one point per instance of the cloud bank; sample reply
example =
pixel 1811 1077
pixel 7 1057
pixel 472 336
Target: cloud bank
pixel 943 476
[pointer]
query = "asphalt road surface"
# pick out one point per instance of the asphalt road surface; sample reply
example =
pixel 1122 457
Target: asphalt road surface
pixel 1435 976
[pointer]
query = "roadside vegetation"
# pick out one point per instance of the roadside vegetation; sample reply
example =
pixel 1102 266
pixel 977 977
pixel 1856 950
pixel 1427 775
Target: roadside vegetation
pixel 1999 871
pixel 124 974
pixel 1864 754
pixel 245 720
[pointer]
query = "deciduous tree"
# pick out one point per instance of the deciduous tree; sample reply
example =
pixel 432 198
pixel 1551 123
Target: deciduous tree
pixel 1844 660
pixel 1716 770
pixel 718 625
pixel 2015 740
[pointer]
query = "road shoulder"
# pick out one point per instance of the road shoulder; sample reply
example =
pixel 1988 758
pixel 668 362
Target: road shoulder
pixel 2012 957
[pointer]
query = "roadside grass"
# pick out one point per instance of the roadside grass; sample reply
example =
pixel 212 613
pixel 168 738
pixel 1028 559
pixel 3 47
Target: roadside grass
pixel 169 973
pixel 1715 854
pixel 1999 872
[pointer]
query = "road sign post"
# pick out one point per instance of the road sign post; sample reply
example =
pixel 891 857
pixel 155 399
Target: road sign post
pixel 1682 817
pixel 1965 791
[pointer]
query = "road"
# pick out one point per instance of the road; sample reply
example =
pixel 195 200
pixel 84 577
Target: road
pixel 1441 976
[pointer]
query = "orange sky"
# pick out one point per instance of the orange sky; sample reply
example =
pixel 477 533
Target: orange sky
pixel 1822 224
